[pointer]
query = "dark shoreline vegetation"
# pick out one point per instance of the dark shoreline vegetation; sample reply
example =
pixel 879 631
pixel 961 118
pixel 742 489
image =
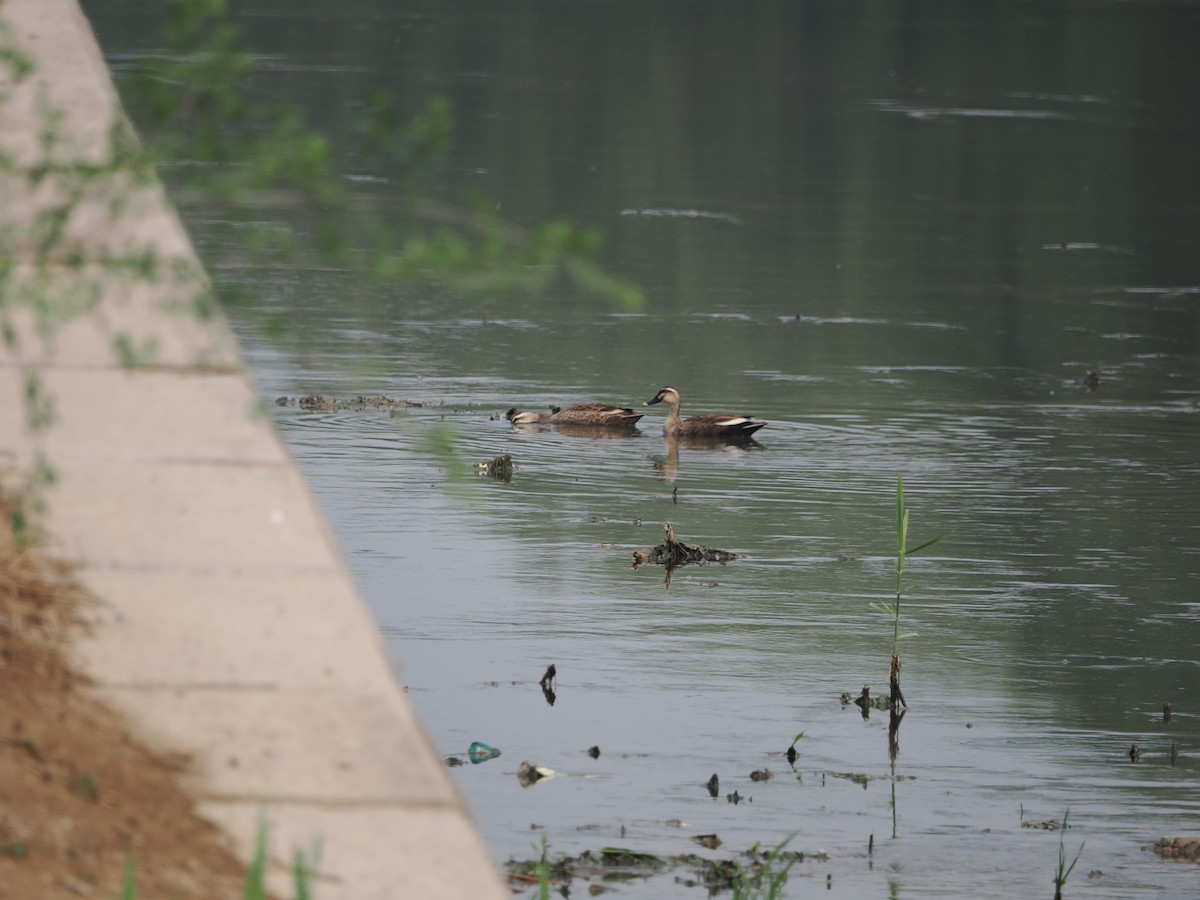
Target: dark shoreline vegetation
pixel 754 873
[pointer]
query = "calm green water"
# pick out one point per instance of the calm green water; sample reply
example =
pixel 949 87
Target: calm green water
pixel 901 233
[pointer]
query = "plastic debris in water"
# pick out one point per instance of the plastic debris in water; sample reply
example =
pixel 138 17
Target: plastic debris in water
pixel 480 752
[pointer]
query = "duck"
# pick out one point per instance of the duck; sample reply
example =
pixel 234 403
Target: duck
pixel 730 428
pixel 593 414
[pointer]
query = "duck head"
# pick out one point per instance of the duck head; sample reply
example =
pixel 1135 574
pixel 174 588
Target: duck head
pixel 669 394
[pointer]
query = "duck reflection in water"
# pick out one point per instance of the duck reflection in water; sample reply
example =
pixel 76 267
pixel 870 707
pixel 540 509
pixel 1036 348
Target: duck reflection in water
pixel 667 466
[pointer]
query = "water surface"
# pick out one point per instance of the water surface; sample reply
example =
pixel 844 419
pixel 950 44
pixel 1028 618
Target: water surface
pixel 903 234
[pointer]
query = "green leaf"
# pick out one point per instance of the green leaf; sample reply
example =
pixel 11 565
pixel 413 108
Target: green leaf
pixel 928 543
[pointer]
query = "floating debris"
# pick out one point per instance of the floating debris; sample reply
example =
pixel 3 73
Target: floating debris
pixel 480 752
pixel 321 403
pixel 858 778
pixel 673 553
pixel 865 701
pixel 1043 824
pixel 547 684
pixel 528 774
pixel 1178 848
pixel 501 468
pixel 614 865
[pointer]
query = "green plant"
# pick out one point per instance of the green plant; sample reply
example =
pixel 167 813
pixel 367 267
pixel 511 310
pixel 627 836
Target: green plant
pixel 1064 871
pixel 304 868
pixel 256 875
pixel 791 753
pixel 129 881
pixel 542 870
pixel 283 194
pixel 893 609
pixel 768 881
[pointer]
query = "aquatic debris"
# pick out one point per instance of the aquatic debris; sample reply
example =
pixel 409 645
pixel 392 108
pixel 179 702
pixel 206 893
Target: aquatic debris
pixel 761 869
pixel 1178 848
pixel 714 785
pixel 865 701
pixel 321 403
pixel 528 774
pixel 673 553
pixel 858 778
pixel 708 841
pixel 501 468
pixel 862 779
pixel 547 684
pixel 622 856
pixel 1042 824
pixel 481 752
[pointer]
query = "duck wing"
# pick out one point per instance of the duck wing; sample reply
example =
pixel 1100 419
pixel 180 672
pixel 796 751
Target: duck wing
pixel 719 426
pixel 596 414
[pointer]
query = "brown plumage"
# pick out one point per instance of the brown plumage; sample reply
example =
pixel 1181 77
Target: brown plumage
pixel 594 414
pixel 737 428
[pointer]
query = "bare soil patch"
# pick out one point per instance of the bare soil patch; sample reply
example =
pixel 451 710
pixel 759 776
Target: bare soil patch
pixel 79 795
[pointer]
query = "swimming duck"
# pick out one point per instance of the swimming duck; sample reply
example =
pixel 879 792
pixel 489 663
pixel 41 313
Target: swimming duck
pixel 594 414
pixel 734 428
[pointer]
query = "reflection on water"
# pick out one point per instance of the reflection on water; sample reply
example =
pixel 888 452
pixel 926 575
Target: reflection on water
pixel 1051 625
pixel 667 465
pixel 902 234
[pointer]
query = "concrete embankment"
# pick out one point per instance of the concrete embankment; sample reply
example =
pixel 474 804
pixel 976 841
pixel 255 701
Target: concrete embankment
pixel 227 627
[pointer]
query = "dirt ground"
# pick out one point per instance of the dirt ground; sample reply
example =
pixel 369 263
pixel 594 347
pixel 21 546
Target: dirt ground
pixel 79 796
